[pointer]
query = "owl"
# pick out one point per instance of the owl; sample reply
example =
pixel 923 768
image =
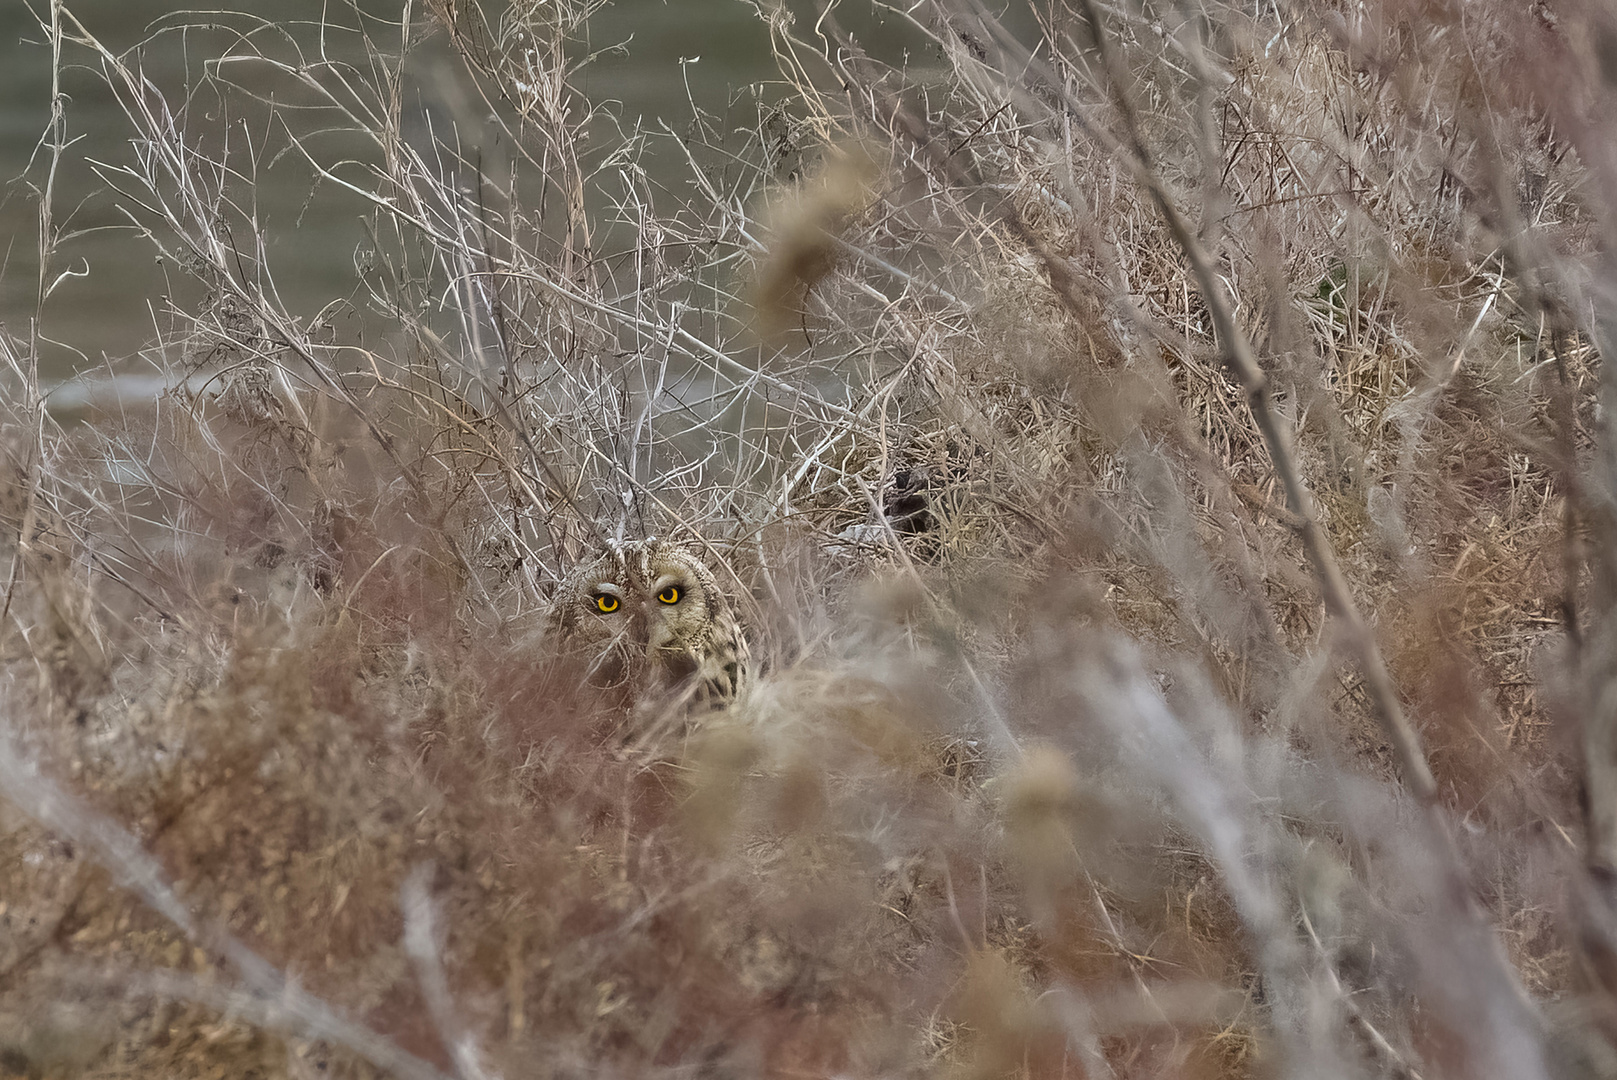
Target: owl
pixel 649 615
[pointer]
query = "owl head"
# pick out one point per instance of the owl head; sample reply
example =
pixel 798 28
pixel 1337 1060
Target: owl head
pixel 650 613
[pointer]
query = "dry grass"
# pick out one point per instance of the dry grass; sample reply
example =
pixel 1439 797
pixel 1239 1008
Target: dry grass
pixel 1163 467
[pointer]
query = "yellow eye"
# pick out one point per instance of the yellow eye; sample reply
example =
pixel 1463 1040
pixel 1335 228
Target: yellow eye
pixel 605 603
pixel 670 595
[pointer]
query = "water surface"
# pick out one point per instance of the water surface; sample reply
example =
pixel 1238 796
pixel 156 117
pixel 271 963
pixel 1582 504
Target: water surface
pixel 111 301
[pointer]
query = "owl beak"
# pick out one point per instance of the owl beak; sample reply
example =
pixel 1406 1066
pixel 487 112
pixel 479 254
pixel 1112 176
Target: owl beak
pixel 675 657
pixel 659 635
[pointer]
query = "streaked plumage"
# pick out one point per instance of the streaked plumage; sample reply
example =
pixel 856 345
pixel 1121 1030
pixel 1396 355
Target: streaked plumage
pixel 650 616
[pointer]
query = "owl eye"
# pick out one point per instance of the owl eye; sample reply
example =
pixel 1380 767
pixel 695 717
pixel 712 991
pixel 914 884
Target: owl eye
pixel 605 603
pixel 669 595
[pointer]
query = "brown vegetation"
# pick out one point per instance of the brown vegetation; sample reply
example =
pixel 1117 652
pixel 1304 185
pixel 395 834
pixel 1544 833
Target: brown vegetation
pixel 1161 462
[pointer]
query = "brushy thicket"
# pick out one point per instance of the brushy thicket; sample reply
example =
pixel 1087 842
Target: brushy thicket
pixel 1161 463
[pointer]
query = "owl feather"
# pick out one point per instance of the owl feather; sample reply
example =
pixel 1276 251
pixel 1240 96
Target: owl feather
pixel 650 615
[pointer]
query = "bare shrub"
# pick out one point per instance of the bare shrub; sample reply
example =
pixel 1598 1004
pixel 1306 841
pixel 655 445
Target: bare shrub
pixel 1159 453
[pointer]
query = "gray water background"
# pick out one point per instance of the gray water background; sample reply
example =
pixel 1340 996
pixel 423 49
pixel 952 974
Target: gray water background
pixel 675 52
